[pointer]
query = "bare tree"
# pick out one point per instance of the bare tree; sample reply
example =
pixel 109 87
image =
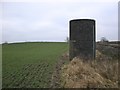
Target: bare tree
pixel 67 39
pixel 103 39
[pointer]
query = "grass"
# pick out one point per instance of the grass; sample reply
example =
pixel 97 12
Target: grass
pixel 99 73
pixel 30 64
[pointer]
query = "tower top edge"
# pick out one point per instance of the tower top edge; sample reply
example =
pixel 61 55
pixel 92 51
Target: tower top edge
pixel 82 20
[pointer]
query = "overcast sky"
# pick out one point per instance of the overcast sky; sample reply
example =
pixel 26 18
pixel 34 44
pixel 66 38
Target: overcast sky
pixel 49 21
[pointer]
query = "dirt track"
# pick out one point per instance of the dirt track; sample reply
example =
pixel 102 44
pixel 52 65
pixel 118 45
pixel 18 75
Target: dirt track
pixel 55 81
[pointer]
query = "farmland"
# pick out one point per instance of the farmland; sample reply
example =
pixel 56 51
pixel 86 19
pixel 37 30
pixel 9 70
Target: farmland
pixel 30 65
pixel 43 65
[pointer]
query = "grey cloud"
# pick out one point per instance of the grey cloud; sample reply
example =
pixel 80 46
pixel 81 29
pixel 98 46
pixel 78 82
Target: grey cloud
pixel 49 21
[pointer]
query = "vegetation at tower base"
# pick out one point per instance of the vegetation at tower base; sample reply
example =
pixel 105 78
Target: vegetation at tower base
pixel 101 73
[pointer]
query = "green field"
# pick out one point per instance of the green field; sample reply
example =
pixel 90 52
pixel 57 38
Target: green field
pixel 30 65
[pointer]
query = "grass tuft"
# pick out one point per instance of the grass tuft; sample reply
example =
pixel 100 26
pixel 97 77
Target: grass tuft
pixel 99 73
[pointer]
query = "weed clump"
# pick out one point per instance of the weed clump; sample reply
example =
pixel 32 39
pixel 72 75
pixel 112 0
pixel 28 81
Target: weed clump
pixel 100 73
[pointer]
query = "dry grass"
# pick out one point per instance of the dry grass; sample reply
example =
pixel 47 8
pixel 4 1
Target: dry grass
pixel 100 73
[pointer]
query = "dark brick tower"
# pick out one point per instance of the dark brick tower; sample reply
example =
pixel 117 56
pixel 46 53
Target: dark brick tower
pixel 82 38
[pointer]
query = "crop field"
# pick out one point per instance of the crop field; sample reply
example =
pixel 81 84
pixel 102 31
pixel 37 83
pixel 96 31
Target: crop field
pixel 30 65
pixel 47 65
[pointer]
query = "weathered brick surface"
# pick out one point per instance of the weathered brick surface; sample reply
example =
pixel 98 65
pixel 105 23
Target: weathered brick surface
pixel 82 38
